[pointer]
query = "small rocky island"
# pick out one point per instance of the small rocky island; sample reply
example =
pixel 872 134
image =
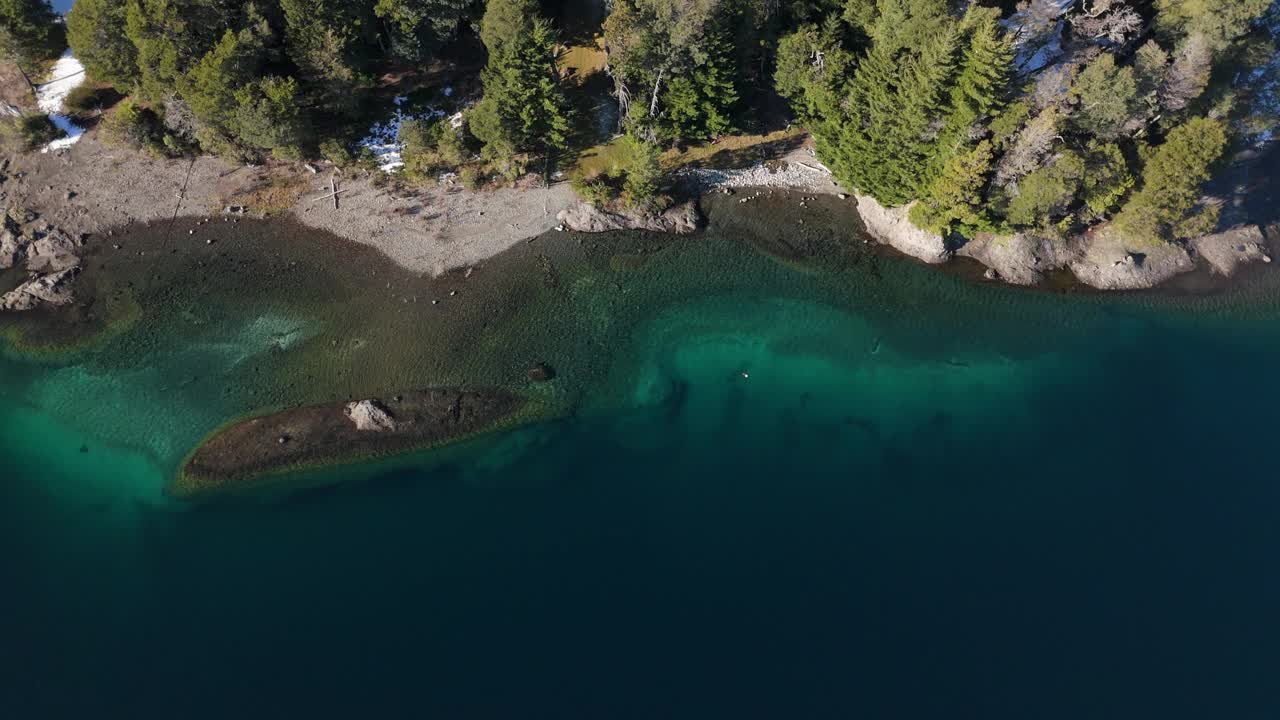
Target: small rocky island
pixel 248 453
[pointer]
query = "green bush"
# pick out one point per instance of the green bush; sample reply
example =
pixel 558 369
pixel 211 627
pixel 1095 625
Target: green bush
pixel 138 127
pixel 337 152
pixel 28 132
pixel 431 147
pixel 88 100
pixel 595 190
pixel 472 177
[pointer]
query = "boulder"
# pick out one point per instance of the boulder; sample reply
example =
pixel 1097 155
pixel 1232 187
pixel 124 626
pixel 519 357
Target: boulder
pixel 13 249
pixel 1227 251
pixel 370 416
pixel 585 217
pixel 54 252
pixel 54 290
pixel 892 227
pixel 1021 258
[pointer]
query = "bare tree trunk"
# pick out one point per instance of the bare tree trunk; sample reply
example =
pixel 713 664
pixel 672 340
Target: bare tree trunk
pixel 653 102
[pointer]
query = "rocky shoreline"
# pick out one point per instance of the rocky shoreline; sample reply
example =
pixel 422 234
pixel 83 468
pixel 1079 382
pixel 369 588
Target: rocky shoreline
pixel 59 202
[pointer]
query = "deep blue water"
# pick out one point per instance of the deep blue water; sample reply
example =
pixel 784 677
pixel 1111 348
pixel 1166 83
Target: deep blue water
pixel 972 503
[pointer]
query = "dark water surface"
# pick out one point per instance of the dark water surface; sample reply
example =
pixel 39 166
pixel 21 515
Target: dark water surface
pixel 930 498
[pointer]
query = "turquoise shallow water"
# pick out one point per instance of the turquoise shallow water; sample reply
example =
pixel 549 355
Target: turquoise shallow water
pixel 929 498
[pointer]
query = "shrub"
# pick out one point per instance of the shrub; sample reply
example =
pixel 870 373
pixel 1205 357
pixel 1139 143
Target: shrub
pixel 431 147
pixel 473 178
pixel 593 190
pixel 137 127
pixel 336 152
pixel 88 100
pixel 28 132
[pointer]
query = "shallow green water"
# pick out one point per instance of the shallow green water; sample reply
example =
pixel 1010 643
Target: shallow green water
pixel 927 498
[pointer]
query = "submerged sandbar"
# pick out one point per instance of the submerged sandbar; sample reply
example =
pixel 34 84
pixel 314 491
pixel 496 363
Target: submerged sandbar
pixel 245 454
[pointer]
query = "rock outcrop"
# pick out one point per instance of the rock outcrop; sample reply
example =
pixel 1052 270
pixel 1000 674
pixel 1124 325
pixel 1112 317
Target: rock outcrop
pixel 892 227
pixel 53 252
pixel 13 249
pixel 53 290
pixel 1112 262
pixel 682 219
pixel 370 416
pixel 1227 251
pixel 1022 258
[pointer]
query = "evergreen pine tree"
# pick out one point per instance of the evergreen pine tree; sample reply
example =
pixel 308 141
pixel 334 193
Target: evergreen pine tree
pixel 28 33
pixel 524 109
pixel 896 95
pixel 96 34
pixel 698 103
pixel 954 201
pixel 1168 204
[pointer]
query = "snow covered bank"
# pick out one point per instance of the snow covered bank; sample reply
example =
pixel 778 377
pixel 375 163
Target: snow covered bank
pixel 383 139
pixel 67 74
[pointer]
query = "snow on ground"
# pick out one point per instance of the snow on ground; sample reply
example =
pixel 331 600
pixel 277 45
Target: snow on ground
pixel 383 139
pixel 67 75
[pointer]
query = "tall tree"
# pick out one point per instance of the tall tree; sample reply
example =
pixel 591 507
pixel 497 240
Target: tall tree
pixel 172 35
pixel 524 109
pixel 1168 205
pixel 27 33
pixel 1106 98
pixel 96 32
pixel 418 26
pixel 898 91
pixel 1219 22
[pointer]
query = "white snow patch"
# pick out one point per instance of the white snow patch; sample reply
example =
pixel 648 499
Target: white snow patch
pixel 383 139
pixel 68 74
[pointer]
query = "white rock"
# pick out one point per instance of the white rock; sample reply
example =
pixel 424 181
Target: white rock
pixel 370 416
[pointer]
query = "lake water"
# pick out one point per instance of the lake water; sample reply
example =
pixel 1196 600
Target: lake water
pixel 930 497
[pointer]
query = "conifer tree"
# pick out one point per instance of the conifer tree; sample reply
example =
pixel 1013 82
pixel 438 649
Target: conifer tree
pixel 1168 204
pixel 954 201
pixel 981 81
pixel 418 26
pixel 96 34
pixel 698 102
pixel 1106 98
pixel 898 91
pixel 812 68
pixel 524 109
pixel 27 33
pixel 1219 22
pixel 172 35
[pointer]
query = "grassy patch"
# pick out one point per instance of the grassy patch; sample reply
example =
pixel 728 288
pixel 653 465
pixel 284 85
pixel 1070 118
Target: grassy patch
pixel 276 191
pixel 600 160
pixel 734 151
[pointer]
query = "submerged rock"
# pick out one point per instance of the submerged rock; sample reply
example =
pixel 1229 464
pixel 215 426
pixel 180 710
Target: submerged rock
pixel 585 217
pixel 370 416
pixel 541 372
pixel 892 227
pixel 53 290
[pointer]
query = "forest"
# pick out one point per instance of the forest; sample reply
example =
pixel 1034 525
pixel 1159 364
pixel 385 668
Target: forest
pixel 1043 116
